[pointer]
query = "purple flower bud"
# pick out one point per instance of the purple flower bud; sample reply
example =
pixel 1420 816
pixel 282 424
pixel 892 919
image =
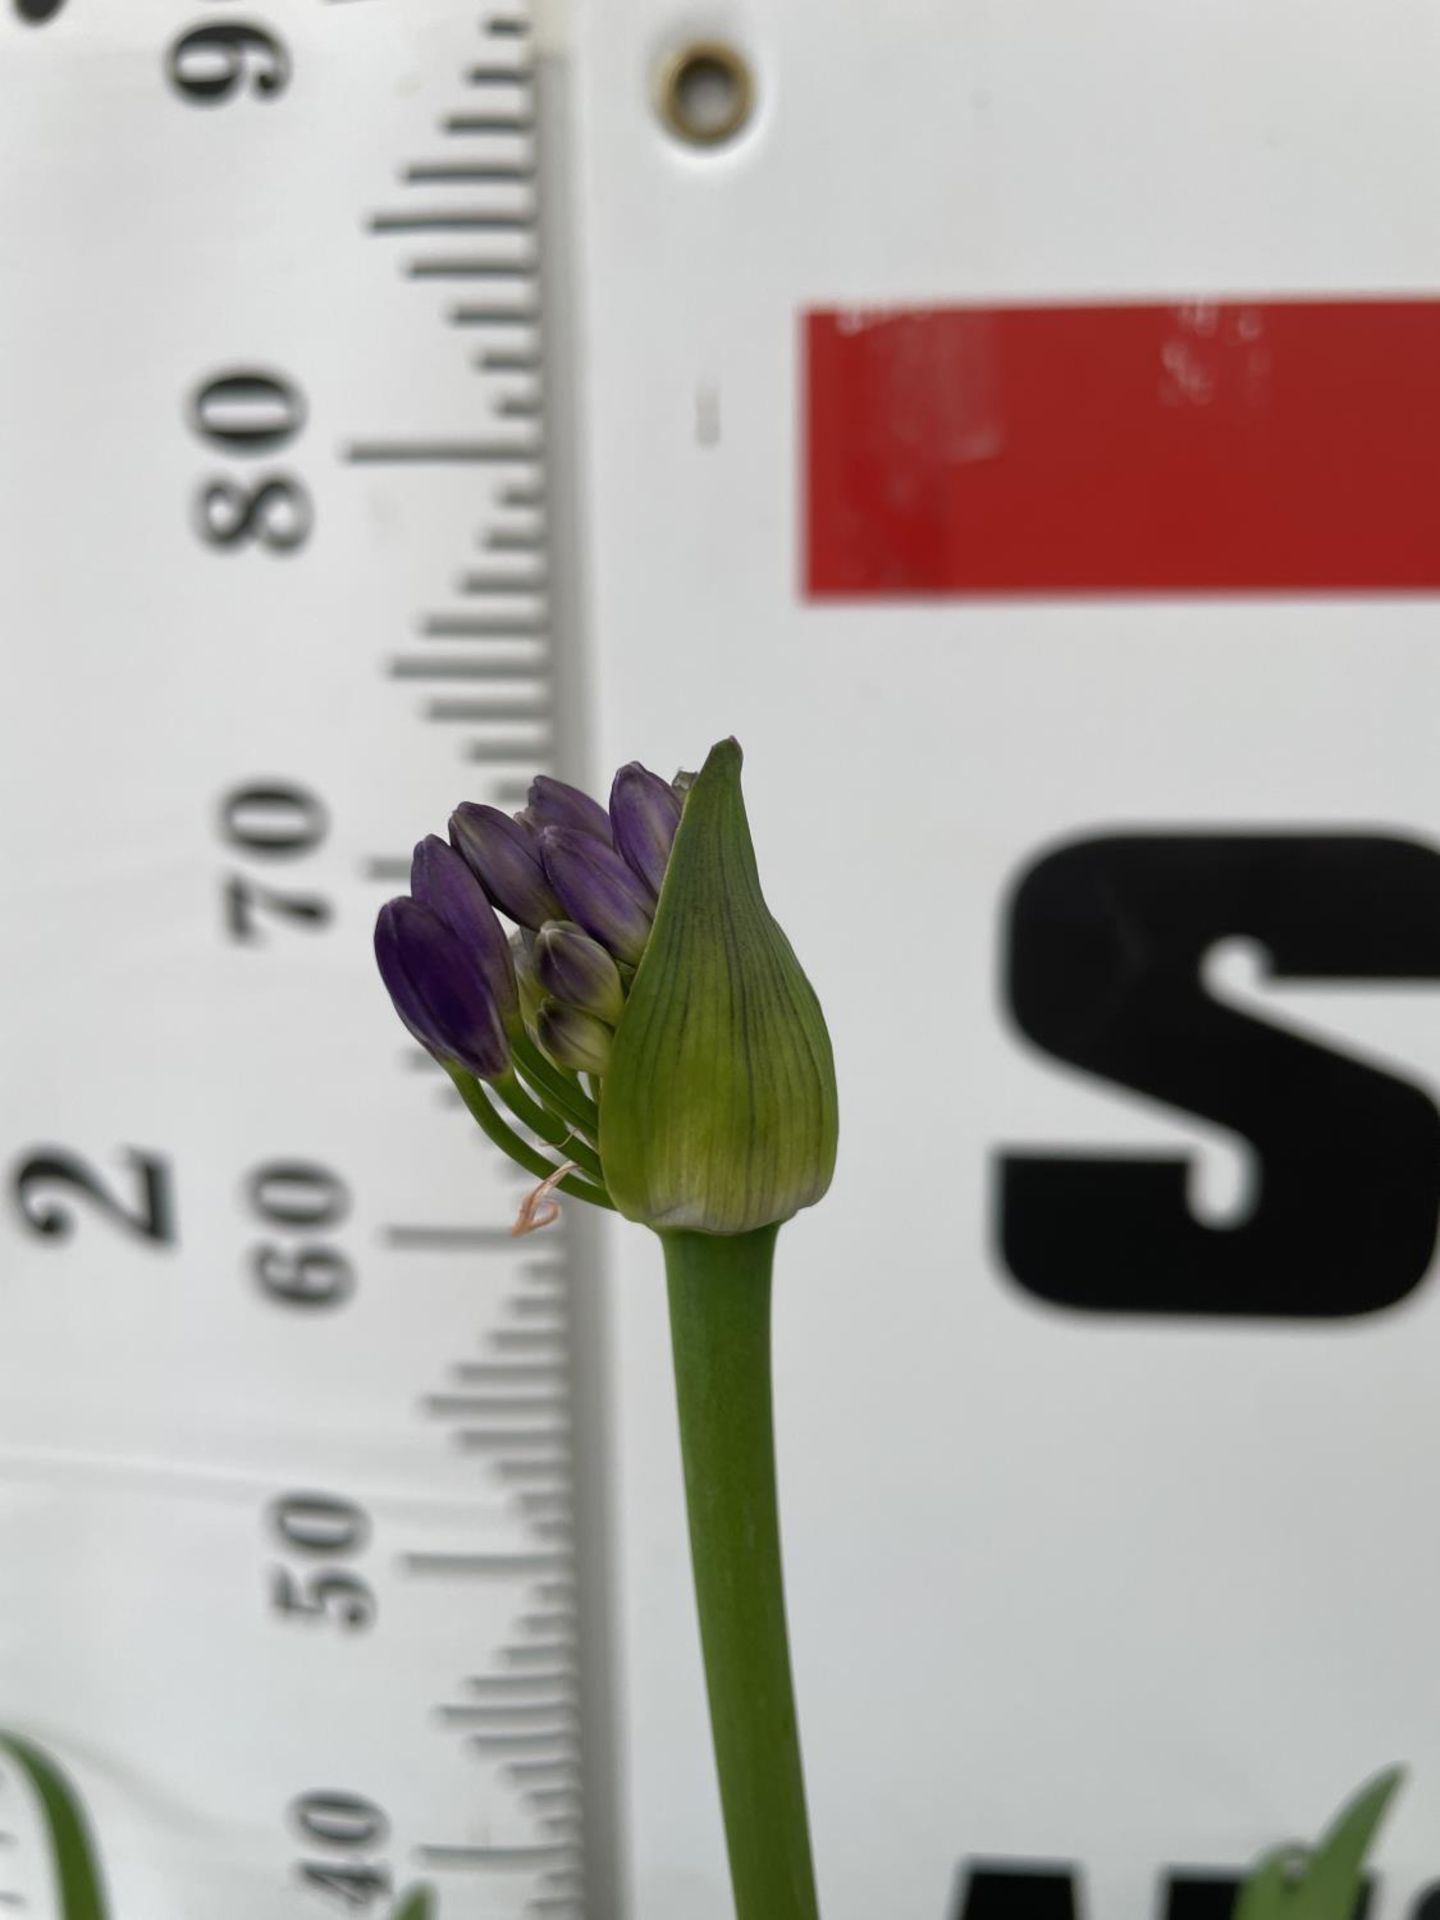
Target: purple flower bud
pixel 598 890
pixel 574 1039
pixel 645 811
pixel 504 856
pixel 554 803
pixel 574 968
pixel 440 880
pixel 438 990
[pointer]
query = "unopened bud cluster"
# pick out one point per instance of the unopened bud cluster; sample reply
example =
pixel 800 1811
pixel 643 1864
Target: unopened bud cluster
pixel 580 885
pixel 575 989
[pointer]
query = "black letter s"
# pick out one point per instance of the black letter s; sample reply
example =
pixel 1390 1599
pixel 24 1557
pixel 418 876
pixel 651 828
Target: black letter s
pixel 1106 940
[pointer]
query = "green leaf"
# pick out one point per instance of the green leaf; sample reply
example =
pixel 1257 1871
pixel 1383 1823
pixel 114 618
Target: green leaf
pixel 77 1868
pixel 417 1904
pixel 1270 1883
pixel 1331 1885
pixel 1324 1882
pixel 719 1112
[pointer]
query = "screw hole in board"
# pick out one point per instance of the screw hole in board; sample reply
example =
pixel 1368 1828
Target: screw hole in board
pixel 705 93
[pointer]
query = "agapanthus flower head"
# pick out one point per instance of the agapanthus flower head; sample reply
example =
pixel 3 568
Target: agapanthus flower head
pixel 646 1023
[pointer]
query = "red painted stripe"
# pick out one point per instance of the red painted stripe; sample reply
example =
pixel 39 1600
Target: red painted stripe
pixel 1260 446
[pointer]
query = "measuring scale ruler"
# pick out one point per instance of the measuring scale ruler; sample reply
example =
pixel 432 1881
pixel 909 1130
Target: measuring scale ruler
pixel 302 1568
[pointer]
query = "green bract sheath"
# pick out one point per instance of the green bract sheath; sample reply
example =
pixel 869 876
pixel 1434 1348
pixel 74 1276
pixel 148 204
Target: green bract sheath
pixel 720 1112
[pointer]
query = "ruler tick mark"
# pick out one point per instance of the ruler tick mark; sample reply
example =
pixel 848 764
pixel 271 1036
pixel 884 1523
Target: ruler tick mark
pixel 459 669
pixel 441 173
pixel 545 1306
pixel 551 1469
pixel 503 540
pixel 561 1586
pixel 521 1406
pixel 536 1654
pixel 446 1239
pixel 505 1371
pixel 493 316
pixel 485 754
pixel 548 1503
pixel 516 1441
pixel 472 270
pixel 443 452
pixel 488 123
pixel 451 222
pixel 530 1683
pixel 478 712
pixel 466 626
pixel 559 1716
pixel 442 1856
pixel 557 1620
pixel 479 1565
pixel 525 1743
pixel 529 585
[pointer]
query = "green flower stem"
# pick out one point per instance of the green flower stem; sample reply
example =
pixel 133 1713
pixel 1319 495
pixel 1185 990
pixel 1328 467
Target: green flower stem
pixel 561 1089
pixel 580 1129
pixel 720 1328
pixel 559 1133
pixel 508 1141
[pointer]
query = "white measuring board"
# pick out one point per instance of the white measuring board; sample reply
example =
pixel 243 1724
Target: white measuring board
pixel 289 1426
pixel 303 1503
pixel 1110 1591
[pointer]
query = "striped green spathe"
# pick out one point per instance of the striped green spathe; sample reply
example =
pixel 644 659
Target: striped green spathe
pixel 719 1111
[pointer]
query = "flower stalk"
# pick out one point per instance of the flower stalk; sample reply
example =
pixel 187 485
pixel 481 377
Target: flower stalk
pixel 483 1110
pixel 719 1289
pixel 644 1038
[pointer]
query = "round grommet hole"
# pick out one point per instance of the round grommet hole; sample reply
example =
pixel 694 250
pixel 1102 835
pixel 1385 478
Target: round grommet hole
pixel 706 93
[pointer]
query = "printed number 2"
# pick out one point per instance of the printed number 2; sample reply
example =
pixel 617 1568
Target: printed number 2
pixel 48 1183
